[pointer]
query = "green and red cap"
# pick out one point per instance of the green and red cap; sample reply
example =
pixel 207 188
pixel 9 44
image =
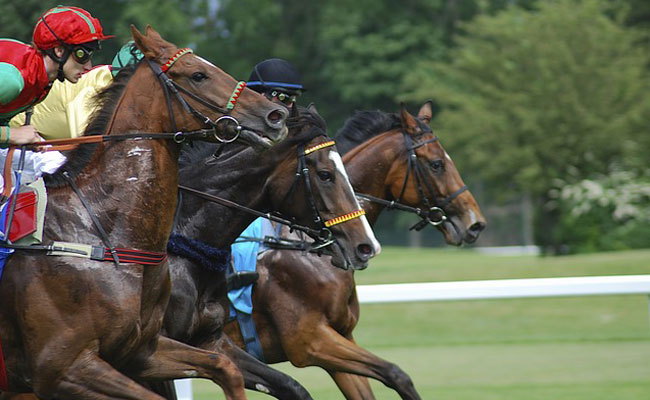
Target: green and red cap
pixel 63 25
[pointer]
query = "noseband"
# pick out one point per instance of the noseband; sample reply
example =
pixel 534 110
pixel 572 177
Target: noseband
pixel 169 85
pixel 434 213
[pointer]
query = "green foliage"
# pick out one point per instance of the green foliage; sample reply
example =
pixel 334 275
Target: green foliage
pixel 536 96
pixel 531 97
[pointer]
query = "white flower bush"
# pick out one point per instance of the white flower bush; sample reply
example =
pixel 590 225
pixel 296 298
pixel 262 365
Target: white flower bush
pixel 628 194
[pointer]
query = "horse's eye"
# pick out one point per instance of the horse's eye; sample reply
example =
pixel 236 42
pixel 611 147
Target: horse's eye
pixel 324 176
pixel 437 165
pixel 199 76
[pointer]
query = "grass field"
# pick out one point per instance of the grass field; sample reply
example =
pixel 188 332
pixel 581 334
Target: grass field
pixel 575 348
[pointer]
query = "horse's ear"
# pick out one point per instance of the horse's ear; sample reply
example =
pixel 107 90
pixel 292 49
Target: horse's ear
pixel 294 111
pixel 312 108
pixel 409 123
pixel 426 111
pixel 145 43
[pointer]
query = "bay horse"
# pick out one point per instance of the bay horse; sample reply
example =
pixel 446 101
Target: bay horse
pixel 78 328
pixel 304 310
pixel 199 306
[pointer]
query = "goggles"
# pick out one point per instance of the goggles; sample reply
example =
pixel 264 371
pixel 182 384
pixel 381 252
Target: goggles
pixel 283 97
pixel 81 54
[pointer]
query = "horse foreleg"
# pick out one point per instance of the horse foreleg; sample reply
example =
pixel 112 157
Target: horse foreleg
pixel 328 349
pixel 260 377
pixel 91 378
pixel 354 387
pixel 174 360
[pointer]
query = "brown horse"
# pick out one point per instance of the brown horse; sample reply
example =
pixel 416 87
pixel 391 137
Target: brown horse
pixel 77 328
pixel 304 310
pixel 199 307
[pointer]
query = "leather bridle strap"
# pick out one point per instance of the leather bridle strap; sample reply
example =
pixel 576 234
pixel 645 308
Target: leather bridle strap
pixel 316 234
pixel 432 215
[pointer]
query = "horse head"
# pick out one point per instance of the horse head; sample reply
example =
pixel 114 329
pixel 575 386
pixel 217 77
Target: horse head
pixel 207 96
pixel 320 192
pixel 428 179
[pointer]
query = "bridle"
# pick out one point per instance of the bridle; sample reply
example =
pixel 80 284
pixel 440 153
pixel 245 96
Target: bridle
pixel 326 237
pixel 169 85
pixel 433 213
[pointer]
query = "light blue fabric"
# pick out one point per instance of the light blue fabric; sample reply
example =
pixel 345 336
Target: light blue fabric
pixel 244 256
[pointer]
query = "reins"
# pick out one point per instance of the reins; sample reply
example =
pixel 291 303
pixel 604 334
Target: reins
pixel 321 235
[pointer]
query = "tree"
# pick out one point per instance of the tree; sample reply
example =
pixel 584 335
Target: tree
pixel 532 97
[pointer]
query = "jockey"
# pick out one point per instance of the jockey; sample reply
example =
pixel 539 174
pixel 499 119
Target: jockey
pixel 64 40
pixel 276 79
pixel 67 108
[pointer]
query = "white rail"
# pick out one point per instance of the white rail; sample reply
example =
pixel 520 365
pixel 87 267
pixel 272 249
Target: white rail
pixel 505 288
pixel 493 289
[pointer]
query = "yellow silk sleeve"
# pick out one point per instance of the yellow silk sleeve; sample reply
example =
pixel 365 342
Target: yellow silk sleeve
pixel 65 111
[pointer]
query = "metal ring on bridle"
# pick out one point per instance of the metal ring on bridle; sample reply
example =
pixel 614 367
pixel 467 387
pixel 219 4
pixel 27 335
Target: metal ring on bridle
pixel 436 211
pixel 179 137
pixel 238 128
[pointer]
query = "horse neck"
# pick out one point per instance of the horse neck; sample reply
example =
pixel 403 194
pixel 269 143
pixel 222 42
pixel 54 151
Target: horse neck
pixel 369 165
pixel 244 179
pixel 141 176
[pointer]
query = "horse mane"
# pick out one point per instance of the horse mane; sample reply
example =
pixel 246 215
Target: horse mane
pixel 364 125
pixel 105 101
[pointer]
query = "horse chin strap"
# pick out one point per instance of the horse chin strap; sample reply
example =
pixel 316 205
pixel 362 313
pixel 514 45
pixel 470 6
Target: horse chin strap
pixel 434 214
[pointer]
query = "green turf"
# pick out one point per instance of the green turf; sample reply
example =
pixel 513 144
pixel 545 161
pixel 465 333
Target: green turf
pixel 573 348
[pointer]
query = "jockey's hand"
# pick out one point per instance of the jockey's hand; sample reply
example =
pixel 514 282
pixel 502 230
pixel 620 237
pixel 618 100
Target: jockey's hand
pixel 24 134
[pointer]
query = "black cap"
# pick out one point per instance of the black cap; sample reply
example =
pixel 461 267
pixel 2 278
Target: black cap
pixel 275 73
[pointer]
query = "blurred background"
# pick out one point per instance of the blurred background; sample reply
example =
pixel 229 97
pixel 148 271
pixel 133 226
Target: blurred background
pixel 543 105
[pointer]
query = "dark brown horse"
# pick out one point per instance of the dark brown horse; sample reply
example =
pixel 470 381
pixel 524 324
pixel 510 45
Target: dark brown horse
pixel 304 310
pixel 199 307
pixel 77 328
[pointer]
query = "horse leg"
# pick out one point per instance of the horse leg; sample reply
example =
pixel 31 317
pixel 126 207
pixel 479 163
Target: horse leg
pixel 260 377
pixel 328 349
pixel 354 387
pixel 91 378
pixel 173 360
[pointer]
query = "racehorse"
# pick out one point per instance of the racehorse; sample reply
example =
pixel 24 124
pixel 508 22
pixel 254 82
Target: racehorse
pixel 78 328
pixel 199 307
pixel 304 310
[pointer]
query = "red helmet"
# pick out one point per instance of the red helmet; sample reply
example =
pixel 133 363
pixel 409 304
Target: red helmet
pixel 67 25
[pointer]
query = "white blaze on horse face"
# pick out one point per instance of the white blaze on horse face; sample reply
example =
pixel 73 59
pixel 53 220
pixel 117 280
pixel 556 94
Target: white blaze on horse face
pixel 340 167
pixel 447 156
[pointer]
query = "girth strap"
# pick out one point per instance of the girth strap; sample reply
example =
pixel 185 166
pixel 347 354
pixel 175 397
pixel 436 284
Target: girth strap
pixel 100 253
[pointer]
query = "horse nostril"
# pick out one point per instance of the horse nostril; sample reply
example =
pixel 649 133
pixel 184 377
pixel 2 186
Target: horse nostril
pixel 477 227
pixel 276 117
pixel 365 252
